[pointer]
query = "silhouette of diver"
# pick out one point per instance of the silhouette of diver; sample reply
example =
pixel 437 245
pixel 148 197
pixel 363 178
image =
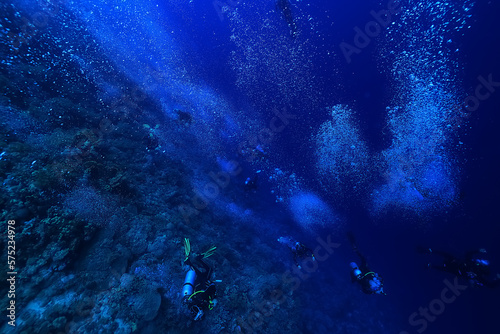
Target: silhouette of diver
pixel 473 266
pixel 370 282
pixel 199 291
pixel 299 250
pixel 285 7
pixel 251 182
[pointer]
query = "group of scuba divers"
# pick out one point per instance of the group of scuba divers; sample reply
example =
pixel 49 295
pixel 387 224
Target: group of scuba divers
pixel 369 281
pixel 199 290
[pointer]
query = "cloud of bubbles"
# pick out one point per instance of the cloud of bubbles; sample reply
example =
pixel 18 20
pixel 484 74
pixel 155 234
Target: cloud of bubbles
pixel 90 205
pixel 268 63
pixel 150 56
pixel 307 208
pixel 419 169
pixel 284 184
pixel 342 157
pixel 420 172
pixel 310 211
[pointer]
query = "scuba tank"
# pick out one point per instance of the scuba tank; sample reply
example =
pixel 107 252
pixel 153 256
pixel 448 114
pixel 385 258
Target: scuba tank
pixel 188 287
pixel 355 270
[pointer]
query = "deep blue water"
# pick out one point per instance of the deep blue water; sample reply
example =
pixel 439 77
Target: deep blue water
pixel 130 125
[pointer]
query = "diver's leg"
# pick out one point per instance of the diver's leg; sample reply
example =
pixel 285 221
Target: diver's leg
pixel 352 241
pixel 364 262
pixel 197 271
pixel 440 267
pixel 206 267
pixel 190 264
pixel 203 264
pixel 447 256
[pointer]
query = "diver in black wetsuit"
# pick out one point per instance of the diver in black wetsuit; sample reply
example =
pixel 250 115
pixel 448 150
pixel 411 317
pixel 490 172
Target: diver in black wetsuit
pixel 252 153
pixel 199 290
pixel 251 183
pixel 299 250
pixel 370 282
pixel 285 7
pixel 473 266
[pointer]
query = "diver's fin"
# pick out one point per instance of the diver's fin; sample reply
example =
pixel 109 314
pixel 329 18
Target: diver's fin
pixel 352 240
pixel 187 248
pixel 209 252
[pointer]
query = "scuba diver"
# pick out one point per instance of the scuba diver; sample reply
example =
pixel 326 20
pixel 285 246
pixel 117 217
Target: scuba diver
pixel 251 182
pixel 199 289
pixel 299 250
pixel 151 139
pixel 184 118
pixel 285 7
pixel 473 266
pixel 371 282
pixel 252 153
